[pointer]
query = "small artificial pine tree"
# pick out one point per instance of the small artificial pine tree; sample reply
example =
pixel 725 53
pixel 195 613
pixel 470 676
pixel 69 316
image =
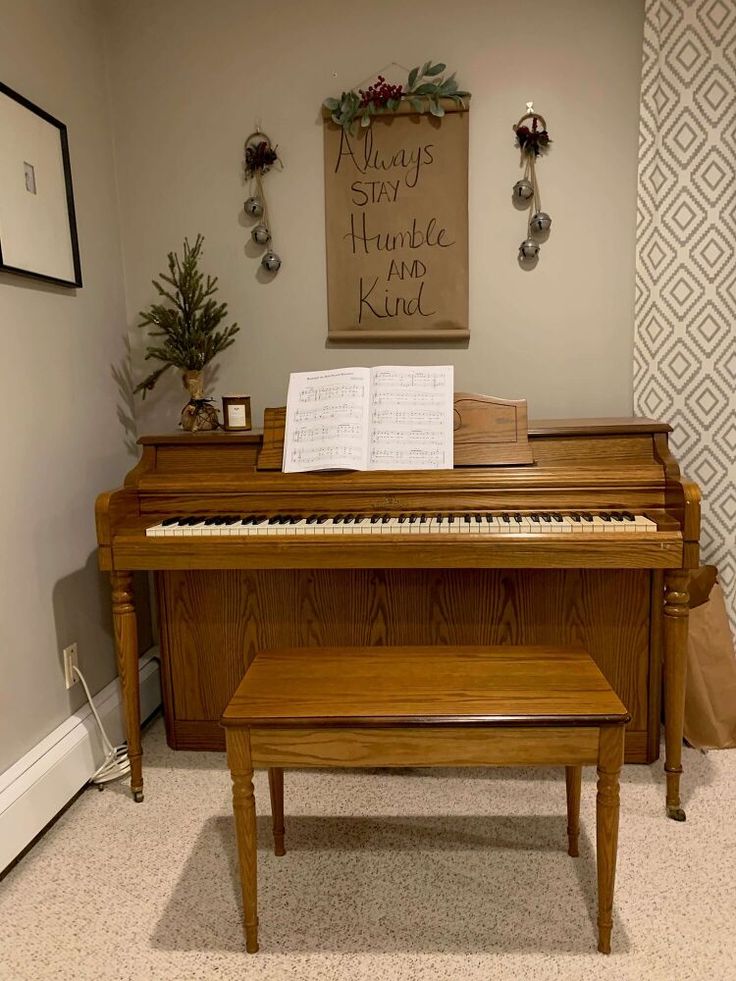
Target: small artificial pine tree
pixel 190 325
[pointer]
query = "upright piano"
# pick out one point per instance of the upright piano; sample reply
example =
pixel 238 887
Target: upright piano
pixel 590 543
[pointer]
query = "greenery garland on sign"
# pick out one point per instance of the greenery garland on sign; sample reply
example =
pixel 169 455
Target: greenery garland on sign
pixel 382 97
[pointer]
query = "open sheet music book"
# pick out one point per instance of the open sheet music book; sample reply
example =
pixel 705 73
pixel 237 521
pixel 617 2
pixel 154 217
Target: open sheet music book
pixel 386 418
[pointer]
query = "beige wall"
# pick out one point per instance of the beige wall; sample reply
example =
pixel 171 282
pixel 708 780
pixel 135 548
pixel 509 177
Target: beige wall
pixel 189 80
pixel 61 438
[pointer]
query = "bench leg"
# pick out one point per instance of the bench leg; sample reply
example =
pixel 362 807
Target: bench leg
pixel 573 779
pixel 244 809
pixel 276 788
pixel 610 761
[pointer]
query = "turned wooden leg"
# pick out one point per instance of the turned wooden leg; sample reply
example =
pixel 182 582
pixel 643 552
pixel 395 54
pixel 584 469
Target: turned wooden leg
pixel 126 648
pixel 573 779
pixel 610 761
pixel 244 809
pixel 676 611
pixel 276 788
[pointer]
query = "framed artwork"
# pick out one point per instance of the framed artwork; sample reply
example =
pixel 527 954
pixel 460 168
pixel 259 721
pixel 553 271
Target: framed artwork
pixel 38 229
pixel 396 210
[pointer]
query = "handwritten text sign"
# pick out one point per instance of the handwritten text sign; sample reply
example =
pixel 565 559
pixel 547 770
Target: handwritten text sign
pixel 396 203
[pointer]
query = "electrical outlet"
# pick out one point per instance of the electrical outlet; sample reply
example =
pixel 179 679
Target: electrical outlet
pixel 71 660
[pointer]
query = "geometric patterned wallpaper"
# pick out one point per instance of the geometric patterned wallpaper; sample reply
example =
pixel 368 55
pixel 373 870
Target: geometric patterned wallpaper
pixel 685 313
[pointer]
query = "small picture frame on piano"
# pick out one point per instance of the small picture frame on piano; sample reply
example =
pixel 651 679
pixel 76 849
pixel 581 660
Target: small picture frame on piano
pixel 236 413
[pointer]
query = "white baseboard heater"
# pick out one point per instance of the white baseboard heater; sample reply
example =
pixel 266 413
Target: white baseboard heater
pixel 43 781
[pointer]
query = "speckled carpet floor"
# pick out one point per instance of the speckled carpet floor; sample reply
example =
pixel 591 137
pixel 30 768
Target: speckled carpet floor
pixel 388 875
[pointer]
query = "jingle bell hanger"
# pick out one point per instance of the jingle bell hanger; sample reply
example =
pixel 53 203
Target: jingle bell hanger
pixel 260 156
pixel 533 141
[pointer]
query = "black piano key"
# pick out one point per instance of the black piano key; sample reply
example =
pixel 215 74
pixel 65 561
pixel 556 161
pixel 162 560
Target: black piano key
pixel 440 518
pixel 535 518
pixel 311 519
pixel 556 516
pixel 467 518
pixel 617 516
pixel 413 519
pixel 322 518
pixel 489 519
pixel 605 516
pixel 375 518
pixel 506 518
pixel 546 518
pixel 349 518
pixel 517 518
pixel 385 519
pixel 170 521
pixel 402 519
pixel 575 517
pixel 587 517
pixel 274 519
pixel 337 520
pixel 479 519
pixel 628 516
pixel 451 519
pixel 359 519
pixel 230 519
pixel 423 519
pixel 259 519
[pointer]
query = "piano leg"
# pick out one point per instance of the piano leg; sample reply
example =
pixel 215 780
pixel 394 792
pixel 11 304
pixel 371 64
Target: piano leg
pixel 126 648
pixel 676 612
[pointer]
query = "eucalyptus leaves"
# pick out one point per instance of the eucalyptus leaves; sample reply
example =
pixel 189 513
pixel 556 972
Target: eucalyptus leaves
pixel 424 89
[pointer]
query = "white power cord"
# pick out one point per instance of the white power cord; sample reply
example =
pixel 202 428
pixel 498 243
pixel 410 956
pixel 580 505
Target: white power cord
pixel 116 763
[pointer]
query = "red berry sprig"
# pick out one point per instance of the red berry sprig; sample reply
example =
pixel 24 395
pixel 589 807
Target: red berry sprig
pixel 379 93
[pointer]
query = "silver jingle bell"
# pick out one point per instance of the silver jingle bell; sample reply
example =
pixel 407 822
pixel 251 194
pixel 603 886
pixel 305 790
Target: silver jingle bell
pixel 261 234
pixel 271 262
pixel 529 249
pixel 253 207
pixel 523 190
pixel 541 222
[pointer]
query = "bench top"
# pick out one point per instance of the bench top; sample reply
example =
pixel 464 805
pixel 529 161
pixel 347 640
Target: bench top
pixel 424 686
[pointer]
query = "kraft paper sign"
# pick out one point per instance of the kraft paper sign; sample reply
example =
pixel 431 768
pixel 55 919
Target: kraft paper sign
pixel 396 206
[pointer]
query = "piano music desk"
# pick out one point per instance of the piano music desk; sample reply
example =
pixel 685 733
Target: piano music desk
pixel 425 706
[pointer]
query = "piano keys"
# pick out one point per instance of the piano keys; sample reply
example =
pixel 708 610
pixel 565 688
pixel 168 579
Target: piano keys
pixel 588 544
pixel 477 524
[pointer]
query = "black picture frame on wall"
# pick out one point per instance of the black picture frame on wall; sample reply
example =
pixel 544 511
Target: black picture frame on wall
pixel 38 226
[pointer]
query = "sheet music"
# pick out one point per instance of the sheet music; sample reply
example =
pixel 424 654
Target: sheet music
pixel 327 420
pixel 411 418
pixel 386 418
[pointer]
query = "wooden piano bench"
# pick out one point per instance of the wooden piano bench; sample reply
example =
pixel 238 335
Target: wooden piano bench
pixel 425 706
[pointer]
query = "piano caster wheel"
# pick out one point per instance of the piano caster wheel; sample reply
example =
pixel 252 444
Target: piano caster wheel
pixel 100 786
pixel 676 813
pixel 138 796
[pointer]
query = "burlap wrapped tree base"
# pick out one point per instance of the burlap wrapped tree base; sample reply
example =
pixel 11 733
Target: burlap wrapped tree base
pixel 198 415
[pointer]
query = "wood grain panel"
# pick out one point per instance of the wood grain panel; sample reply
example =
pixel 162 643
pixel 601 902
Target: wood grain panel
pixel 413 747
pixel 213 623
pixel 658 550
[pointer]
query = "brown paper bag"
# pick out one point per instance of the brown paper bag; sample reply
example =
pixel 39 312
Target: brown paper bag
pixel 710 694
